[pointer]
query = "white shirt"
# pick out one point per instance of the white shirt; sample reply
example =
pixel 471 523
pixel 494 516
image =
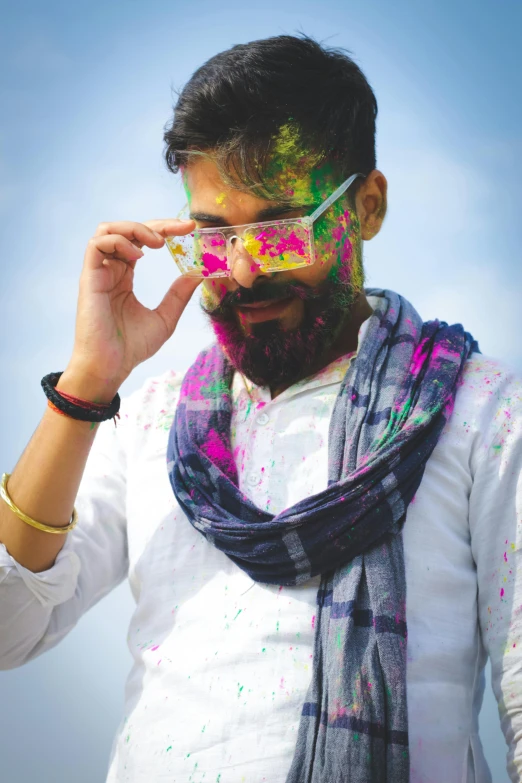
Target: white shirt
pixel 221 663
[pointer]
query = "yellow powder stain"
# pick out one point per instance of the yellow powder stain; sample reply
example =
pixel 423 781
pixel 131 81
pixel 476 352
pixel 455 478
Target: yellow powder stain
pixel 287 141
pixel 175 247
pixel 252 245
pixel 221 199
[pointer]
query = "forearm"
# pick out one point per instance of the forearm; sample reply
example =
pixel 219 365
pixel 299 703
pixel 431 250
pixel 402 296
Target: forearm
pixel 45 482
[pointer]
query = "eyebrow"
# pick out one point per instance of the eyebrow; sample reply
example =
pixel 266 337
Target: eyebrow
pixel 264 214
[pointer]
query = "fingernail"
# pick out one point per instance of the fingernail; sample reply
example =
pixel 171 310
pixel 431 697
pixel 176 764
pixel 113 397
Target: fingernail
pixel 158 236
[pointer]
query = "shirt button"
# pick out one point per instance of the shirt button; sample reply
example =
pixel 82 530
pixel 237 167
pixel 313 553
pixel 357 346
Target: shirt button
pixel 252 480
pixel 263 419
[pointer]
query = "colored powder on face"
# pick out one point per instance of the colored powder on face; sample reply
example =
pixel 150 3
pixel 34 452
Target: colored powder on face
pixel 290 167
pixel 184 179
pixel 221 200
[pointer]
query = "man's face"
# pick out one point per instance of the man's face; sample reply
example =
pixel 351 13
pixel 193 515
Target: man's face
pixel 306 308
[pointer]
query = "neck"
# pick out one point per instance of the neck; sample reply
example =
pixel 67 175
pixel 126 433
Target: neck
pixel 345 343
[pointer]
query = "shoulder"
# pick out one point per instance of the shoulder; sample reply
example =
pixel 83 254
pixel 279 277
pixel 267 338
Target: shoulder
pixel 488 401
pixel 489 386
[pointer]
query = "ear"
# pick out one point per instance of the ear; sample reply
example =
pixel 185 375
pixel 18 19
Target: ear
pixel 371 203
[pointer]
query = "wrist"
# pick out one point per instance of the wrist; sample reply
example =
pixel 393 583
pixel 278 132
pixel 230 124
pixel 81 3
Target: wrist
pixel 80 383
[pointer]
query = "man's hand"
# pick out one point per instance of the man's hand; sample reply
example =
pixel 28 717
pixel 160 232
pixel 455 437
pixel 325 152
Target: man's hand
pixel 114 332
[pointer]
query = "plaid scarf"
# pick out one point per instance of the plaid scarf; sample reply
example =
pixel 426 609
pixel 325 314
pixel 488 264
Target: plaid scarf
pixel 392 406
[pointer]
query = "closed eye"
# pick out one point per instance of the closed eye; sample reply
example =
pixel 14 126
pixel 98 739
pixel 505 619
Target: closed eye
pixel 280 212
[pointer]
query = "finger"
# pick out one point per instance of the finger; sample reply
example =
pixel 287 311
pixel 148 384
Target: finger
pixel 171 227
pixel 111 247
pixel 138 233
pixel 176 299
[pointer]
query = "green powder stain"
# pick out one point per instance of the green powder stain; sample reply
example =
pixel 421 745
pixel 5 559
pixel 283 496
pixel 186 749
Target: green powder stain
pixel 169 748
pixel 127 738
pixel 264 649
pixel 240 688
pixel 277 626
pixel 203 729
pixel 218 778
pixel 237 615
pixel 497 447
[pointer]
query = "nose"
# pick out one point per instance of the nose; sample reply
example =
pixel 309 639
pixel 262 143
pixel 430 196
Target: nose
pixel 244 269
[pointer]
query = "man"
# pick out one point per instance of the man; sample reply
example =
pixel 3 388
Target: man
pixel 330 553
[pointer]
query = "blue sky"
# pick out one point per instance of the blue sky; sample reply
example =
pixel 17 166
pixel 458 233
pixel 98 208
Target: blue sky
pixel 86 89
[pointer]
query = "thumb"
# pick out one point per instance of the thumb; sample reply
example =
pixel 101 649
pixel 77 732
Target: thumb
pixel 176 299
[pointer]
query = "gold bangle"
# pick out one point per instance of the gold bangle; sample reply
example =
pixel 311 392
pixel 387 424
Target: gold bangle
pixel 4 494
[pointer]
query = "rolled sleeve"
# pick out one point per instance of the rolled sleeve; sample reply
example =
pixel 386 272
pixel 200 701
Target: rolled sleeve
pixel 38 609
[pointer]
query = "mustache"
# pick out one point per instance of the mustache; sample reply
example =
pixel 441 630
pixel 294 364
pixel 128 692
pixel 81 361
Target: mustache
pixel 265 292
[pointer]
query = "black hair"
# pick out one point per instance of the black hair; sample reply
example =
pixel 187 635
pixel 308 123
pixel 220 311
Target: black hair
pixel 235 104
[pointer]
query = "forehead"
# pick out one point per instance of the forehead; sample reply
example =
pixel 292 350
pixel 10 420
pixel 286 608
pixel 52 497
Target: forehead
pixel 289 184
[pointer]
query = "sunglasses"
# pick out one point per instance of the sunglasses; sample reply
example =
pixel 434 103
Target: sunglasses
pixel 275 245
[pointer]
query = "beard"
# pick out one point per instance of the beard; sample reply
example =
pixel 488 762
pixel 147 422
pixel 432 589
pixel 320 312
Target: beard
pixel 271 355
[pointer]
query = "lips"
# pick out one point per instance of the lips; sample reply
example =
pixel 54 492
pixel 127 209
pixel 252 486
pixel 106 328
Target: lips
pixel 258 305
pixel 264 311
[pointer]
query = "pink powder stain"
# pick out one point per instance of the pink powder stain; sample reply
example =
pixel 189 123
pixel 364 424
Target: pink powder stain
pixel 218 241
pixel 212 264
pixel 346 252
pixel 218 454
pixel 282 683
pixel 442 351
pixel 285 244
pixel 505 557
pixel 313 623
pixel 154 648
pixel 501 592
pixel 418 357
pixel 338 233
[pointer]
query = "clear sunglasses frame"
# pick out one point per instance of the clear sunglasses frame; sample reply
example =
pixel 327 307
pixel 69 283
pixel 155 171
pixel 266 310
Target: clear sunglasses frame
pixel 190 262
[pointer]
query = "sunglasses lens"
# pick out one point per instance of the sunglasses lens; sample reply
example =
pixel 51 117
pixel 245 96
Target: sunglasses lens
pixel 200 254
pixel 279 246
pixel 273 246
